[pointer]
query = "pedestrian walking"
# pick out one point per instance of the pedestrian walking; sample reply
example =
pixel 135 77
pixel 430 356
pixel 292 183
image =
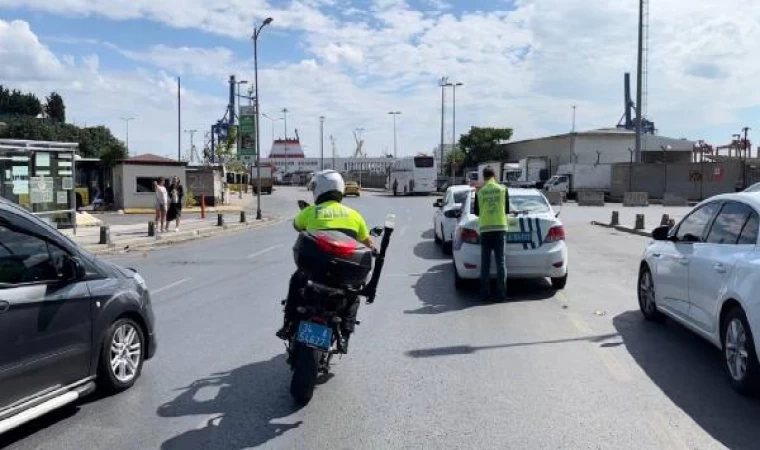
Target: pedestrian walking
pixel 176 197
pixel 492 206
pixel 161 204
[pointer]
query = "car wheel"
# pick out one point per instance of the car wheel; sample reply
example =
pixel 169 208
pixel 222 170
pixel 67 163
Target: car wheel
pixel 646 292
pixel 739 352
pixel 447 246
pixel 435 236
pixel 559 283
pixel 122 355
pixel 459 282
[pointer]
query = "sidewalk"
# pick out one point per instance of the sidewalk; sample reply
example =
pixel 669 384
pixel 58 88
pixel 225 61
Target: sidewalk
pixel 135 236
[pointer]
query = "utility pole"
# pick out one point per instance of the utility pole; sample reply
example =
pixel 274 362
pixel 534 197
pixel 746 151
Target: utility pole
pixel 454 125
pixel 322 143
pixel 443 82
pixel 179 120
pixel 256 33
pixel 285 118
pixel 395 142
pixel 746 143
pixel 639 80
pixel 127 120
pixel 572 132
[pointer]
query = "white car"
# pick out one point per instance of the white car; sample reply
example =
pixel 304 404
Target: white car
pixel 704 273
pixel 446 215
pixel 535 245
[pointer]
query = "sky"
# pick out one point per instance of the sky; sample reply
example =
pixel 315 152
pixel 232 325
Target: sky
pixel 523 64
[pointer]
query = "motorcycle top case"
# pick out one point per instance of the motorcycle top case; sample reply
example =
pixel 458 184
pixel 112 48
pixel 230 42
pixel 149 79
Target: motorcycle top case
pixel 332 258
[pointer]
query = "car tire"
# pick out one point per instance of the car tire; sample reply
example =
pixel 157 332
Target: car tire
pixel 437 240
pixel 646 294
pixel 559 283
pixel 459 282
pixel 745 380
pixel 123 342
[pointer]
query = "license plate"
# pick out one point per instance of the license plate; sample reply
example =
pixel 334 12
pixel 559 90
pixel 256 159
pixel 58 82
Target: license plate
pixel 314 335
pixel 519 238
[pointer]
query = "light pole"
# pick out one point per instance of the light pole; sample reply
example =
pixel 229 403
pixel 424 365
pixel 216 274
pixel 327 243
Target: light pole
pixel 285 118
pixel 443 82
pixel 665 149
pixel 192 135
pixel 256 33
pixel 321 142
pixel 395 142
pixel 630 170
pixel 454 125
pixel 273 120
pixel 127 120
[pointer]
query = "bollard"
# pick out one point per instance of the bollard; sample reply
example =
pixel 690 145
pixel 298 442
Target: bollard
pixel 203 206
pixel 665 220
pixel 639 222
pixel 242 216
pixel 151 228
pixel 220 220
pixel 615 220
pixel 105 234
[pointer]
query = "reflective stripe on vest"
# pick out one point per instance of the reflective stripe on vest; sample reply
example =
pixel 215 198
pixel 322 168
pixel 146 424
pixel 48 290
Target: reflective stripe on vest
pixel 491 200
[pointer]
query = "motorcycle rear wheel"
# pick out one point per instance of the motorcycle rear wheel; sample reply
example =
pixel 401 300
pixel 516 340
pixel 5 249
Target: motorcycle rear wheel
pixel 305 369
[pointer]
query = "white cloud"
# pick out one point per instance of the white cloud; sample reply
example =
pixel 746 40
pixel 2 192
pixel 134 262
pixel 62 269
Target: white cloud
pixel 22 56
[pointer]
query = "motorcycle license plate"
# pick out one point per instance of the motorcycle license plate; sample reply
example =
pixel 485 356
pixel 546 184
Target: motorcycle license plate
pixel 519 238
pixel 314 335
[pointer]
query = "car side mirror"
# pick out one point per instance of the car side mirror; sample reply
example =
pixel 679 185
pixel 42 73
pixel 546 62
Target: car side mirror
pixel 453 214
pixel 73 269
pixel 438 203
pixel 661 233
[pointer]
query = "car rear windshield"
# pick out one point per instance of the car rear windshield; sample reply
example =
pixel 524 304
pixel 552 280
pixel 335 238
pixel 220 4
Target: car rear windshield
pixel 424 161
pixel 461 196
pixel 527 204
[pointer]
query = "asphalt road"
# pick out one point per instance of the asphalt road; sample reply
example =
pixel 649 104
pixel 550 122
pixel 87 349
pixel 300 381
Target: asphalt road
pixel 428 368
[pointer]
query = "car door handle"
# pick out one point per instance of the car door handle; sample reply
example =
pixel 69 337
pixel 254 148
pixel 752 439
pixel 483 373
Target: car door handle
pixel 720 268
pixel 684 261
pixel 4 306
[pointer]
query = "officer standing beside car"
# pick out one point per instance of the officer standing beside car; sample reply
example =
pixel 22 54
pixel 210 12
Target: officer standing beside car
pixel 492 206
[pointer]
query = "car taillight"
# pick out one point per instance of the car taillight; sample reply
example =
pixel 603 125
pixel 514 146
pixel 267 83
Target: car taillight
pixel 470 236
pixel 343 248
pixel 556 234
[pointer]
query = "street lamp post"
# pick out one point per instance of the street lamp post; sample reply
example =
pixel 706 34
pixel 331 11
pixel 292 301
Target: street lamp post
pixel 665 149
pixel 256 33
pixel 285 118
pixel 395 142
pixel 630 170
pixel 444 81
pixel 454 125
pixel 127 120
pixel 321 142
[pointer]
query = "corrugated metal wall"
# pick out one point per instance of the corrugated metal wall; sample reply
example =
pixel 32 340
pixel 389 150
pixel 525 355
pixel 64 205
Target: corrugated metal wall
pixel 694 181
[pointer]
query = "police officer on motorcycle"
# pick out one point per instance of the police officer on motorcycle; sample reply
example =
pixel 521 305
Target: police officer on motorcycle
pixel 328 213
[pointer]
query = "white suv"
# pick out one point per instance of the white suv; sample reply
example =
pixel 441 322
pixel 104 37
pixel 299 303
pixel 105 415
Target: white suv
pixel 705 274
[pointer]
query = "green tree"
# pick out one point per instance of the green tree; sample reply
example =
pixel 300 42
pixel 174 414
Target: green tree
pixel 481 144
pixel 15 103
pixel 457 158
pixel 55 108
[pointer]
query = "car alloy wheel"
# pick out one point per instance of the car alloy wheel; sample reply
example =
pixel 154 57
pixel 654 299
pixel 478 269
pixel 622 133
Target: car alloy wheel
pixel 647 297
pixel 126 352
pixel 736 349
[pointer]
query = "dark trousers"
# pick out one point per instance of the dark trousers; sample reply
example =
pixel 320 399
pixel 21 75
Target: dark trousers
pixel 493 242
pixel 297 283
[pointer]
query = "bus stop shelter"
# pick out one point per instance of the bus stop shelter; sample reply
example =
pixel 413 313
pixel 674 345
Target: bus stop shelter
pixel 39 176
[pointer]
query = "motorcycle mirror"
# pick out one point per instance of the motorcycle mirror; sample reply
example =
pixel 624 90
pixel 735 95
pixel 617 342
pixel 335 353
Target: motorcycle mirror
pixel 376 231
pixel 303 204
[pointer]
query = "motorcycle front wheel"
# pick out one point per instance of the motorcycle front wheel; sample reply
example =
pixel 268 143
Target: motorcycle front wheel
pixel 305 368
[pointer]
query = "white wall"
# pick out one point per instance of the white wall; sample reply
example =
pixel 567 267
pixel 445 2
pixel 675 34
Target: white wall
pixel 129 173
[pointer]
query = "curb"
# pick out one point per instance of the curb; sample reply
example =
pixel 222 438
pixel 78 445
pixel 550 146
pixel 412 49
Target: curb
pixel 624 229
pixel 178 238
pixel 194 209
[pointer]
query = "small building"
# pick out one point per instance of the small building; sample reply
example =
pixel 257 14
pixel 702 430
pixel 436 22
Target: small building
pixel 602 146
pixel 133 179
pixel 205 182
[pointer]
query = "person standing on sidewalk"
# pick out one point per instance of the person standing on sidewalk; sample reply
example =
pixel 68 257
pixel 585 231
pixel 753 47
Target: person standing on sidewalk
pixel 492 206
pixel 176 196
pixel 161 203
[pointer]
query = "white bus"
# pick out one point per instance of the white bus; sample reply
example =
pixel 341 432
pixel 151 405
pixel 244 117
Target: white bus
pixel 412 175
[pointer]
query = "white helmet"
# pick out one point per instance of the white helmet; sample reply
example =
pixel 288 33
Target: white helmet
pixel 327 181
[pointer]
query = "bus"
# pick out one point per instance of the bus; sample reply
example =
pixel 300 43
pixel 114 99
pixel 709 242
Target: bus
pixel 412 175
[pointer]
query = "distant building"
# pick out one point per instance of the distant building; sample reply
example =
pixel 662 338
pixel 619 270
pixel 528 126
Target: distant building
pixel 301 165
pixel 133 179
pixel 286 148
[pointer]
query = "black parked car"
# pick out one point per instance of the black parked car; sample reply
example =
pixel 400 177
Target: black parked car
pixel 68 320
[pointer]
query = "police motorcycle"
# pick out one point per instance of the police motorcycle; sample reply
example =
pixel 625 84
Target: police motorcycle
pixel 336 268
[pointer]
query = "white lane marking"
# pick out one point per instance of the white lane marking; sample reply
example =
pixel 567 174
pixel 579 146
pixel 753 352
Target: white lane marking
pixel 579 323
pixel 169 286
pixel 261 252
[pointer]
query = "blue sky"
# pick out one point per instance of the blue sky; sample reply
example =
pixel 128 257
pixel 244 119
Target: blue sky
pixel 523 64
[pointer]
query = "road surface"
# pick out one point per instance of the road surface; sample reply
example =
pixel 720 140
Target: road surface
pixel 428 368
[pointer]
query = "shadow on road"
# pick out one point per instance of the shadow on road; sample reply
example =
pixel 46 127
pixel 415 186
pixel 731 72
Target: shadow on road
pixel 247 400
pixel 690 372
pixel 455 350
pixel 428 250
pixel 428 234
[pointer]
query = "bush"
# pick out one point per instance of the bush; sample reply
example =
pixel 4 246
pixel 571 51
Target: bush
pixel 190 199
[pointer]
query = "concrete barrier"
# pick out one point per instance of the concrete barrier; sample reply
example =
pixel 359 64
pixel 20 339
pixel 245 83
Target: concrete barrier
pixel 672 199
pixel 590 198
pixel 105 235
pixel 636 199
pixel 555 198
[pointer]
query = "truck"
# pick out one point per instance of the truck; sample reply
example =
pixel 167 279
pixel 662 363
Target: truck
pixel 533 172
pixel 505 173
pixel 573 178
pixel 267 180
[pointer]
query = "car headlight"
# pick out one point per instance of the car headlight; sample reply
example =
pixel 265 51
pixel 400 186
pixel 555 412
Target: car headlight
pixel 140 281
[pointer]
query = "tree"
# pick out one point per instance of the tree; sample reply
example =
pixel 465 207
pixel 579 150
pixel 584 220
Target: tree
pixel 14 103
pixel 481 144
pixel 457 158
pixel 55 108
